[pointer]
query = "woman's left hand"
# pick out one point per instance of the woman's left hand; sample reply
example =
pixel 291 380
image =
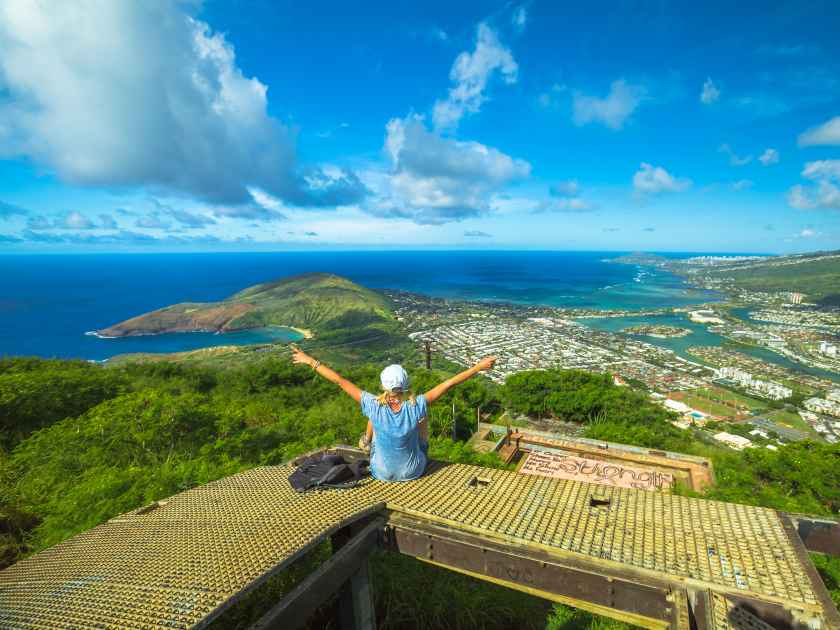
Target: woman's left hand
pixel 486 363
pixel 299 356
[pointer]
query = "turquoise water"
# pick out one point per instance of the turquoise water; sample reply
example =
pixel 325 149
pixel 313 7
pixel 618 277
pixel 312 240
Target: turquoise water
pixel 48 302
pixel 179 342
pixel 700 336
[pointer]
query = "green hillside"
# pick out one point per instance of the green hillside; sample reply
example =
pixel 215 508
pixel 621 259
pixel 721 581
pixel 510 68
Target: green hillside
pixel 313 301
pixel 816 276
pixel 84 443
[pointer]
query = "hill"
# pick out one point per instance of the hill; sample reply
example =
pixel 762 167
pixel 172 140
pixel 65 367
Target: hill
pixel 84 443
pixel 816 275
pixel 312 301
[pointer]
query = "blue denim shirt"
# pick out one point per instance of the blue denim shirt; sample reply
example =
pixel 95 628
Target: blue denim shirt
pixel 397 453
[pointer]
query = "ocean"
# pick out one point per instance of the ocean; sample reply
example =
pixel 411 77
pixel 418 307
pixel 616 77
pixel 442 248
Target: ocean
pixel 49 302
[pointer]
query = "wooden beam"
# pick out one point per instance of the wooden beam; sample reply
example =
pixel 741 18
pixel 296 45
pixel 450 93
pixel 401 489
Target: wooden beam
pixel 355 603
pixel 652 604
pixel 296 607
pixel 819 535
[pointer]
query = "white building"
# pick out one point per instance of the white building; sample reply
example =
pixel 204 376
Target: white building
pixel 734 374
pixel 820 405
pixel 705 317
pixel 834 395
pixel 676 405
pixel 733 441
pixel 829 349
pixel 768 389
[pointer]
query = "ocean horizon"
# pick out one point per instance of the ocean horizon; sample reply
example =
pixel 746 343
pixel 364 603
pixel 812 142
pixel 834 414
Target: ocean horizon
pixel 48 302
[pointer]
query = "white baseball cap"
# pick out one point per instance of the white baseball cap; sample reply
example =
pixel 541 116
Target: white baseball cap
pixel 394 378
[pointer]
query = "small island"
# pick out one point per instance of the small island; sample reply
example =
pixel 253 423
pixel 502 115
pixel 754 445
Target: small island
pixel 658 331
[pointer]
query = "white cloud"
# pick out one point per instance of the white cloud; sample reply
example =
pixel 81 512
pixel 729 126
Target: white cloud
pixel 651 179
pixel 822 169
pixel 507 204
pixel 251 212
pixel 39 223
pixel 565 198
pixel 69 221
pixel 828 195
pixel 770 156
pixel 189 220
pixel 439 34
pixel 734 159
pixel 434 179
pixel 826 134
pixel 152 221
pixel 807 233
pixel 107 222
pixel 519 19
pixel 470 73
pixel 186 219
pixel 710 92
pixel 824 194
pixel 612 110
pixel 565 204
pixel 762 105
pixel 742 184
pixel 477 234
pixel 798 198
pixel 77 221
pixel 568 188
pixel 140 94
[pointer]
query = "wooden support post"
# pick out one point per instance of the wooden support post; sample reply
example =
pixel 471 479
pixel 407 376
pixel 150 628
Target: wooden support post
pixel 355 602
pixel 819 535
pixel 345 570
pixel 700 609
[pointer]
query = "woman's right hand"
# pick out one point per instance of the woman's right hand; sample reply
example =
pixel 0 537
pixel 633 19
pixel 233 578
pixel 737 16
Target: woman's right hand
pixel 299 356
pixel 486 363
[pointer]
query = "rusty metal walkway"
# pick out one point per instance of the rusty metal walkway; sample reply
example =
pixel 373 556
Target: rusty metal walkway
pixel 649 558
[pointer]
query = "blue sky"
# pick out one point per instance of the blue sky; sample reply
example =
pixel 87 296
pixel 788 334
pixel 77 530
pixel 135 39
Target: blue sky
pixel 287 125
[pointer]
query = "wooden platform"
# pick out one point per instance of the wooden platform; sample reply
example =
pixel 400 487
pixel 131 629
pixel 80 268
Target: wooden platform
pixel 650 558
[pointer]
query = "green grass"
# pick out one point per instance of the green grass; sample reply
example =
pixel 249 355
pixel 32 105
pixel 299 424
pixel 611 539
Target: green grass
pixel 790 420
pixel 707 406
pixel 718 402
pixel 729 397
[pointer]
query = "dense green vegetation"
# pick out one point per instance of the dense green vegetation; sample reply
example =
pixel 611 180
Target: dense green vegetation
pixel 617 414
pixel 83 443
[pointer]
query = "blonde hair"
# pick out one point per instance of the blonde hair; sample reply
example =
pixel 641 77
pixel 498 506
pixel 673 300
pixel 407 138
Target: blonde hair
pixel 382 399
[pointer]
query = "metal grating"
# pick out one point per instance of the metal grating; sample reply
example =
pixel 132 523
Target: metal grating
pixel 174 564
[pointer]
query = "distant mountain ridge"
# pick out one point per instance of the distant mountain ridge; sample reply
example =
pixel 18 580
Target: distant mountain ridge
pixel 311 301
pixel 816 274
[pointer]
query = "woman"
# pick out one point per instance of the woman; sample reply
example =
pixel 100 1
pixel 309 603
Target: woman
pixel 398 428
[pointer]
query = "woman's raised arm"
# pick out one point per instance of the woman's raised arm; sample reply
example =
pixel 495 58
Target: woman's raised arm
pixel 436 392
pixel 299 356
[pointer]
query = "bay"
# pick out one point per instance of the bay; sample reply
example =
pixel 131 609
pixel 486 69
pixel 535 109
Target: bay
pixel 49 302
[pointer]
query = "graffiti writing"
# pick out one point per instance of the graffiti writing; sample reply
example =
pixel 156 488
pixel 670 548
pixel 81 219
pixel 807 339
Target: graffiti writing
pixel 595 471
